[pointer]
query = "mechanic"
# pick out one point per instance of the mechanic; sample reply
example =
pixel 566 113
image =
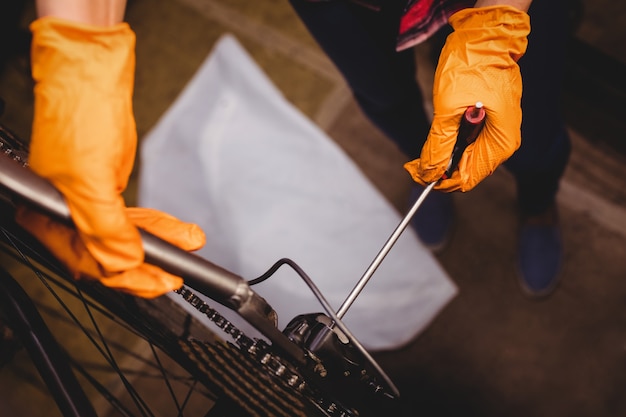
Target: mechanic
pixel 490 50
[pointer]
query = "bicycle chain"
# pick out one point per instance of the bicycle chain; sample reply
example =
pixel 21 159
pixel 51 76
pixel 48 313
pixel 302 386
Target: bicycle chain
pixel 286 382
pixel 13 147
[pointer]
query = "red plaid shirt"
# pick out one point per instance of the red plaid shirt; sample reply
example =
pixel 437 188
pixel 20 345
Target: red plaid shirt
pixel 421 18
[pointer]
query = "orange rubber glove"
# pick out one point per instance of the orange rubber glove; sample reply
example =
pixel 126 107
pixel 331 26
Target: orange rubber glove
pixel 84 142
pixel 144 280
pixel 478 63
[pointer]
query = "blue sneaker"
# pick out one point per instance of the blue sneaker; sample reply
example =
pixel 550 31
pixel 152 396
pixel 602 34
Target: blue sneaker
pixel 434 220
pixel 540 254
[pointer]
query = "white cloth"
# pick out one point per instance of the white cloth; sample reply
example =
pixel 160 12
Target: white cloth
pixel 232 155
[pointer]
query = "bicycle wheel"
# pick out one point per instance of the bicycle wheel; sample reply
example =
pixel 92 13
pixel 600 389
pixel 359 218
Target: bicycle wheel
pixel 123 350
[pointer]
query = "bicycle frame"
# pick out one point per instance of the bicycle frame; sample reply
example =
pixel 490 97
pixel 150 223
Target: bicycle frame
pixel 19 185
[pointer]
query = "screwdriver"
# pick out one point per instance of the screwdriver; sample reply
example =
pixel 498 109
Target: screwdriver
pixel 471 124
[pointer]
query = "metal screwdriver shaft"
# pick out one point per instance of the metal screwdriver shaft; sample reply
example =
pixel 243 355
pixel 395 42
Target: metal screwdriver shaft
pixel 471 124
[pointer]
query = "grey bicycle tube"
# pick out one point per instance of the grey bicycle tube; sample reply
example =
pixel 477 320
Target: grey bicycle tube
pixel 219 283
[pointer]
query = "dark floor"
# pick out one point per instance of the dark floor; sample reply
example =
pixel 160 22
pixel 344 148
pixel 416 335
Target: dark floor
pixel 491 352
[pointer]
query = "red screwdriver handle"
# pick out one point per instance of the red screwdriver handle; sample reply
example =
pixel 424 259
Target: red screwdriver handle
pixel 471 124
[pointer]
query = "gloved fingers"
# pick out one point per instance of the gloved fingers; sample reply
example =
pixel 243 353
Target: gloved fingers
pixel 463 178
pixel 66 245
pixel 437 149
pixel 146 281
pixel 107 232
pixel 187 236
pixel 453 183
pixel 62 241
pixel 479 160
pixel 413 168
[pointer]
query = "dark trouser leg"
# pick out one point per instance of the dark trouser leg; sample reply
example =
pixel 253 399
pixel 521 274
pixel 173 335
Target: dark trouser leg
pixel 361 43
pixel 539 163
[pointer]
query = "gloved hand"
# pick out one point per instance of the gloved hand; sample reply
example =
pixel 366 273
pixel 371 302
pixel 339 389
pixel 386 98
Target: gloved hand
pixel 478 63
pixel 145 280
pixel 84 142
